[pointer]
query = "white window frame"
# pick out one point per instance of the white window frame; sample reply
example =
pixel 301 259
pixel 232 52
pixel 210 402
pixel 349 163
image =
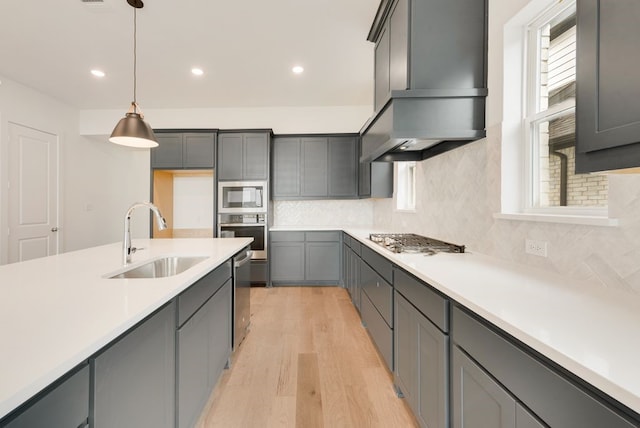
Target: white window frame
pixel 405 182
pixel 516 166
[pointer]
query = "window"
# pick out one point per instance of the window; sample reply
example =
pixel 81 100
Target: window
pixel 549 120
pixel 405 186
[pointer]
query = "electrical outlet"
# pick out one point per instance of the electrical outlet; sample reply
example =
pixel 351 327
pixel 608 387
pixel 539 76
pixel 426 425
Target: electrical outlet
pixel 537 248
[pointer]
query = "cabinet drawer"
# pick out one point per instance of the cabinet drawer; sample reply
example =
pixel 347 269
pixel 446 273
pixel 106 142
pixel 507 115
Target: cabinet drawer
pixel 329 236
pixel 378 329
pixel 379 263
pixel 431 304
pixel 195 296
pixel 555 399
pixel 287 236
pixel 379 291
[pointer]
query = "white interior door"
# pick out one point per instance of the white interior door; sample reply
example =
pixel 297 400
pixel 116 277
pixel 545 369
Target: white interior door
pixel 33 193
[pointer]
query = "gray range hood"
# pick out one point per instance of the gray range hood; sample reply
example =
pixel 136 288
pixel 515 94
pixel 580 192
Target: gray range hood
pixel 417 124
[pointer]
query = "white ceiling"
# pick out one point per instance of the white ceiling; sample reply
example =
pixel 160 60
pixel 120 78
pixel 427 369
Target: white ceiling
pixel 246 47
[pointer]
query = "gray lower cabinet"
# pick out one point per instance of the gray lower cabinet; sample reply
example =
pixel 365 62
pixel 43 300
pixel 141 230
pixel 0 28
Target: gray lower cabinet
pixel 421 350
pixel 134 378
pixel 315 167
pixel 204 347
pixel 421 364
pixel 376 303
pixel 481 402
pixel 177 150
pixel 351 268
pixel 203 341
pixel 478 401
pixel 607 111
pixel 305 258
pixel 64 405
pixel 243 156
pixel 496 379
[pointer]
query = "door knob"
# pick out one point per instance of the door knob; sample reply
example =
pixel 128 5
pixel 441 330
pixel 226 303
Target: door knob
pixel 54 229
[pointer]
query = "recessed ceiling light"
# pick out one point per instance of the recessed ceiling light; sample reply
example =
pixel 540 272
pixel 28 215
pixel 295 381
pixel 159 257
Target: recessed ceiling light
pixel 98 73
pixel 297 69
pixel 197 71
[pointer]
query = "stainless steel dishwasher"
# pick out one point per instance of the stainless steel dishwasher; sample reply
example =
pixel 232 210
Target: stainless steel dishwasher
pixel 241 295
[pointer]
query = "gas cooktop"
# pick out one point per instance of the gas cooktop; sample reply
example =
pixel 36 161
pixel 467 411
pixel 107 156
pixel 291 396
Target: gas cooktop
pixel 411 243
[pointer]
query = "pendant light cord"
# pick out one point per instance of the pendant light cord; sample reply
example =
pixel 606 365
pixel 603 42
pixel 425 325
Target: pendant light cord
pixel 135 38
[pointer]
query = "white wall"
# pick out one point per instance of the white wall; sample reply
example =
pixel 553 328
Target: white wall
pixel 92 172
pixel 283 120
pixel 459 191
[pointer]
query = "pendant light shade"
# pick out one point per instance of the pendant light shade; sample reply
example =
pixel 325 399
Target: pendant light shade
pixel 132 130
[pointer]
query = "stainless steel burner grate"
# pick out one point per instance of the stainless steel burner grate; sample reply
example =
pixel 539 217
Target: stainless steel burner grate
pixel 412 243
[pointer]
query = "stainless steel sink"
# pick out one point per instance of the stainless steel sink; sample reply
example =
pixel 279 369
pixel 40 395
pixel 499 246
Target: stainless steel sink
pixel 160 268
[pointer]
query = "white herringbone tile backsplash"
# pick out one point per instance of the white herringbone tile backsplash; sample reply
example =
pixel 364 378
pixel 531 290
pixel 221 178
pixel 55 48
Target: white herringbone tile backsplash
pixel 459 192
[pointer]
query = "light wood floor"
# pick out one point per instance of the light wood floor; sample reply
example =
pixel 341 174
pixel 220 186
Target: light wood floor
pixel 306 362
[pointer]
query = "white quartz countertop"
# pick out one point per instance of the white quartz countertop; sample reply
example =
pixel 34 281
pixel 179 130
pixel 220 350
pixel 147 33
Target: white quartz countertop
pixel 590 330
pixel 55 312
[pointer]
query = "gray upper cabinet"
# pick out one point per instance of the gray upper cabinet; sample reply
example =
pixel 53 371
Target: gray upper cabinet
pixel 343 167
pixel 286 168
pixel 607 108
pixel 381 70
pixel 177 150
pixel 391 54
pixel 315 167
pixel 430 81
pixel 243 156
pixel 134 379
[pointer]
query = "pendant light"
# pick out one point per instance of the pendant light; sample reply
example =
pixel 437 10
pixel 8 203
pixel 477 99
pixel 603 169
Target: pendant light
pixel 132 130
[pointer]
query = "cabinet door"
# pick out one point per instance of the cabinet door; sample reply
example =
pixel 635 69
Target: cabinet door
pixel 478 401
pixel 134 379
pixel 399 45
pixel 607 111
pixel 405 336
pixel 343 167
pixel 67 405
pixel 433 357
pixel 255 157
pixel 230 157
pixel 194 361
pixel 355 268
pixel 169 152
pixel 204 347
pixel 381 70
pixel 198 150
pixel 322 261
pixel 313 167
pixel 286 167
pixel 287 261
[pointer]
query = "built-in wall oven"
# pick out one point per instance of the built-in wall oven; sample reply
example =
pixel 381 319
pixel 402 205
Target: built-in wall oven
pixel 242 197
pixel 246 225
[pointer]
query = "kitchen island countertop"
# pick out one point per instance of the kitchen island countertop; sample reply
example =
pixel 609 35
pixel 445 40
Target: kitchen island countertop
pixel 55 312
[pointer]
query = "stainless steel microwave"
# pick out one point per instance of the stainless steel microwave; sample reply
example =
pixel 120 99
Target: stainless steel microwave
pixel 242 197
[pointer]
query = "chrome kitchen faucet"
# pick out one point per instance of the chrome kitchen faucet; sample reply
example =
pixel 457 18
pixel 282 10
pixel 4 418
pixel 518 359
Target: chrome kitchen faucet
pixel 126 244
